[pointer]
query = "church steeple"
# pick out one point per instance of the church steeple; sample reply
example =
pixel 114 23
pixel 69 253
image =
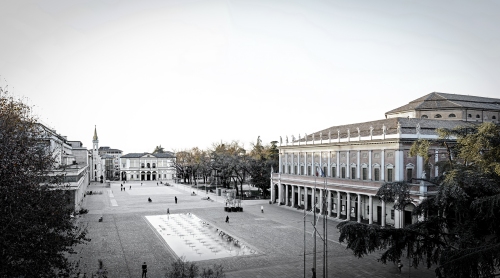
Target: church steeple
pixel 95 134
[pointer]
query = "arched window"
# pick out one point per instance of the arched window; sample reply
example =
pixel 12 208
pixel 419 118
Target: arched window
pixel 451 115
pixel 142 164
pixel 469 115
pixel 493 117
pixel 424 117
pixel 154 165
pixel 437 116
pixel 148 165
pixel 477 116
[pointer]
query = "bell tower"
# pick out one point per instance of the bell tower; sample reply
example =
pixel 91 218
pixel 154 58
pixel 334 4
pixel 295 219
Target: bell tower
pixel 96 160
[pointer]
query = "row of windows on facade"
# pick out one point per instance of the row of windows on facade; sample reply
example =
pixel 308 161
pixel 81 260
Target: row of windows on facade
pixel 343 208
pixel 437 116
pixel 324 156
pixel 364 173
pixel 137 176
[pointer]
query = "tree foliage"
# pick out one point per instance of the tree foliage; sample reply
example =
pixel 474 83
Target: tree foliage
pixel 458 231
pixel 36 229
pixel 181 268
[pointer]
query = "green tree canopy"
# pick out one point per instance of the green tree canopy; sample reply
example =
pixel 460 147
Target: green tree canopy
pixel 36 229
pixel 459 228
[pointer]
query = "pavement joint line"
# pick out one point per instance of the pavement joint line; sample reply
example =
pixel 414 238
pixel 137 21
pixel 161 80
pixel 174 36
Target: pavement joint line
pixel 121 246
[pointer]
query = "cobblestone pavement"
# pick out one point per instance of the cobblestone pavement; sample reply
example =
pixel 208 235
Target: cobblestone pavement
pixel 124 239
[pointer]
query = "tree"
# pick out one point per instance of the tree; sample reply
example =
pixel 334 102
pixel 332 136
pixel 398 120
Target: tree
pixel 181 268
pixel 459 230
pixel 263 159
pixel 36 229
pixel 159 149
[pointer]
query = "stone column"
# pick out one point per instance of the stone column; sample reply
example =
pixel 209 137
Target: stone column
pixel 382 165
pixel 436 160
pixel 358 165
pixel 370 204
pixel 370 165
pixel 329 202
pixel 305 197
pixel 293 195
pixel 287 202
pixel 272 191
pixel 399 165
pixel 348 167
pixel 329 171
pixel 348 206
pixel 320 201
pixel 313 198
pixel 298 164
pixel 338 164
pixel 339 205
pixel 359 209
pixel 383 214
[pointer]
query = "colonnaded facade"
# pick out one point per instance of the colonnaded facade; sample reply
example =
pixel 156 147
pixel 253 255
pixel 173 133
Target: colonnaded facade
pixel 147 166
pixel 345 166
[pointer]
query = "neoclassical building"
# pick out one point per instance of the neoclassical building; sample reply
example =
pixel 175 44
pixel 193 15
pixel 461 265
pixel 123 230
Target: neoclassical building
pixel 147 166
pixel 345 166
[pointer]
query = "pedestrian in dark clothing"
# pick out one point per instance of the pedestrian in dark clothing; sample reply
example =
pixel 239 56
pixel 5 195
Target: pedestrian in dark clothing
pixel 144 270
pixel 130 187
pixel 176 199
pixel 227 218
pixel 314 272
pixel 168 211
pixel 400 265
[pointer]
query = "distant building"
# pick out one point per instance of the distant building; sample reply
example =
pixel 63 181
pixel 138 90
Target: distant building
pixel 111 158
pixel 147 166
pixel 345 165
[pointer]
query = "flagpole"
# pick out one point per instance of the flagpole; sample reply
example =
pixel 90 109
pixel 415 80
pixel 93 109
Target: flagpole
pixel 314 223
pixel 305 196
pixel 325 229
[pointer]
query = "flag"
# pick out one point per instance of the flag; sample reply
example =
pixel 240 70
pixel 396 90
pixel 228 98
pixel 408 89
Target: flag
pixel 319 171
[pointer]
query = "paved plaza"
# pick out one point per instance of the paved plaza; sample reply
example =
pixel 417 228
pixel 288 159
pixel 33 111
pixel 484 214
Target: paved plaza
pixel 125 239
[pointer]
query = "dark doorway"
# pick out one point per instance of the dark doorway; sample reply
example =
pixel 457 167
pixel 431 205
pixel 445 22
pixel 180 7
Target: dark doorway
pixel 295 199
pixel 407 218
pixel 379 215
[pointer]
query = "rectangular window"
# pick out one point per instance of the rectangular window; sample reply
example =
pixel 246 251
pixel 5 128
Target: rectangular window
pixel 389 175
pixel 377 174
pixel 334 172
pixel 353 173
pixel 409 174
pixel 295 170
pixel 324 171
pixel 343 172
pixel 365 174
pixel 392 214
pixel 302 170
pixel 309 171
pixel 283 169
pixel 368 210
pixel 289 169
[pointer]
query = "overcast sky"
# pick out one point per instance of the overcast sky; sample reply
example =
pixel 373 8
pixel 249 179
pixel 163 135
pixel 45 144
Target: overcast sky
pixel 191 73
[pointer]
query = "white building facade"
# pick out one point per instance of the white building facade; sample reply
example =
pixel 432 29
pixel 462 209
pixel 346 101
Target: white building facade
pixel 147 166
pixel 339 170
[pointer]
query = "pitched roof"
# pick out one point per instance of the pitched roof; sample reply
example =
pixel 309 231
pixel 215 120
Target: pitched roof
pixel 437 100
pixel 407 125
pixel 157 155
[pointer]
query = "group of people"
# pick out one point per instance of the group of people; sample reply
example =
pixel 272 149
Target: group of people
pixel 122 188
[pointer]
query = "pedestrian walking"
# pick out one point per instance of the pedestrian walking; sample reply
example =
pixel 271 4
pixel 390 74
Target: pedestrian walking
pixel 262 209
pixel 314 272
pixel 141 183
pixel 400 265
pixel 130 187
pixel 168 211
pixel 227 218
pixel 176 199
pixel 144 270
